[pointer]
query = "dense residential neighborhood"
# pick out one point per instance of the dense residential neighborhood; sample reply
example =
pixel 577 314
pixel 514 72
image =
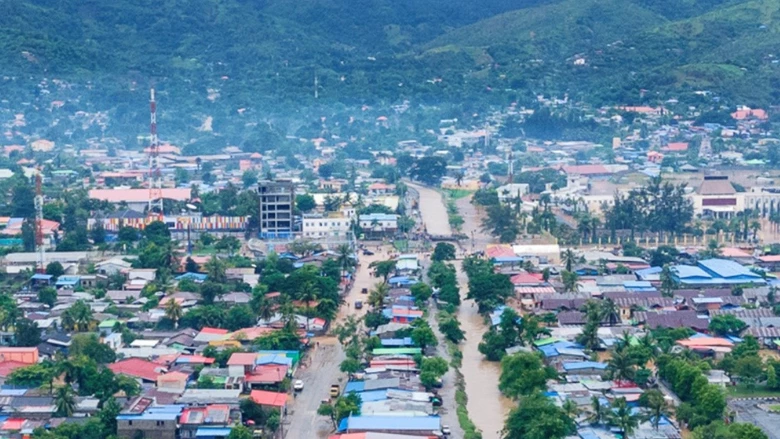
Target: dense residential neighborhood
pixel 384 275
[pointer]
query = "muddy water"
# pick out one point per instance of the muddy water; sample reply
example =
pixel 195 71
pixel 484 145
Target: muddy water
pixel 487 407
pixel 433 211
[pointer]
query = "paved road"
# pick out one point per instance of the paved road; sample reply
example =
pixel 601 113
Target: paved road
pixel 322 364
pixel 747 411
pixel 317 376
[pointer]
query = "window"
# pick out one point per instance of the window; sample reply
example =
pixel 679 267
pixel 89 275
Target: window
pixel 160 423
pixel 129 422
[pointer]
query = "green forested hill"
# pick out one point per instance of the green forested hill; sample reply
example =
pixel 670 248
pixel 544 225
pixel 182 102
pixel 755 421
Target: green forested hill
pixel 256 52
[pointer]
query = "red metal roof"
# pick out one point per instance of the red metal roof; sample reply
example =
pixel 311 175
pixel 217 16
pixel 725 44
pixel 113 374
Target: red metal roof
pixel 273 399
pixel 271 373
pixel 138 368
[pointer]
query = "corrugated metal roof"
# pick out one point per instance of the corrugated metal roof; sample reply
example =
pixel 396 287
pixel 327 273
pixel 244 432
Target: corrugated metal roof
pixel 396 423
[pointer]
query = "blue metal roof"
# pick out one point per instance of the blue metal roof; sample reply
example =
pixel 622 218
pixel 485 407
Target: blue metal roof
pixel 41 276
pixel 689 272
pixel 395 342
pixel 396 423
pixel 192 276
pixel 576 365
pixel 212 432
pixel 354 386
pixel 373 395
pixel 633 284
pixel 68 280
pixel 726 268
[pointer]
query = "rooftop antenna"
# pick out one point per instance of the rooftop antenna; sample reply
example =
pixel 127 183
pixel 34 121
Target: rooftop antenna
pixel 38 201
pixel 155 180
pixel 316 85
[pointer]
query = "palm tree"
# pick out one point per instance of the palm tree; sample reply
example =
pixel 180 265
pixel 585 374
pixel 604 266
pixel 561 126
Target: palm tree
pixel 583 226
pixel 327 309
pixel 459 177
pixel 376 297
pixel 598 413
pixel 621 367
pixel 66 369
pixel 571 409
pixel 569 259
pixel 344 258
pixel 198 162
pixel 623 417
pixel 655 402
pixel 263 307
pixel 308 293
pixel 610 312
pixel 173 311
pixel 287 310
pixel 755 226
pixel 65 401
pixel 66 321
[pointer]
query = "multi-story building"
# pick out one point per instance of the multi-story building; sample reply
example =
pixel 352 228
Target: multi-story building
pixel 333 226
pixel 277 200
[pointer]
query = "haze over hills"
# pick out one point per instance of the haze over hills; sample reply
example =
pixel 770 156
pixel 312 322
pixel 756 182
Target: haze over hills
pixel 213 58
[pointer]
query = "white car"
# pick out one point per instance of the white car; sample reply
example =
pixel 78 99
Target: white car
pixel 298 385
pixel 445 429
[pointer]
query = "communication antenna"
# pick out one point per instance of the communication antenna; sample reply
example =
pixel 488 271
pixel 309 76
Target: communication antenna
pixel 316 85
pixel 39 223
pixel 155 177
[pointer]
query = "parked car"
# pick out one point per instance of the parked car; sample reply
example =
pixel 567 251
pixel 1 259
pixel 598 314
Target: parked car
pixel 358 305
pixel 335 391
pixel 298 385
pixel 445 429
pixel 368 253
pixel 364 291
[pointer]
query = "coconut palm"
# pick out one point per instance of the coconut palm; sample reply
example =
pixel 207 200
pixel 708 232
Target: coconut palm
pixel 571 409
pixel 344 258
pixel 623 417
pixel 308 293
pixel 173 311
pixel 569 259
pixel 755 226
pixel 376 298
pixel 65 401
pixel 263 307
pixel 598 412
pixel 610 312
pixel 621 367
pixel 655 402
pixel 327 309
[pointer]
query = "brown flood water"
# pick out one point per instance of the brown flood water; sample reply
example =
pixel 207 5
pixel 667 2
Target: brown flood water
pixel 487 406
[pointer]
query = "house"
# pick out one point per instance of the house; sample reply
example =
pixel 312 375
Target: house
pixel 584 367
pixel 68 282
pixel 142 370
pixel 173 380
pixel 715 272
pixel 673 319
pixel 269 399
pixel 21 355
pixel 399 314
pixel 378 224
pixel 201 422
pixel 413 425
pixel 147 421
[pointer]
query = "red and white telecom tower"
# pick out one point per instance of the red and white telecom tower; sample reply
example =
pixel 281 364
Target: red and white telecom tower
pixel 155 176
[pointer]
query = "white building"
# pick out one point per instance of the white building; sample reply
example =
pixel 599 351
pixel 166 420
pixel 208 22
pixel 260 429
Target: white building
pixel 319 226
pixel 511 191
pixel 379 223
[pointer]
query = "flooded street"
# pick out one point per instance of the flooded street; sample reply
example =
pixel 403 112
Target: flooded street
pixel 433 210
pixel 487 407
